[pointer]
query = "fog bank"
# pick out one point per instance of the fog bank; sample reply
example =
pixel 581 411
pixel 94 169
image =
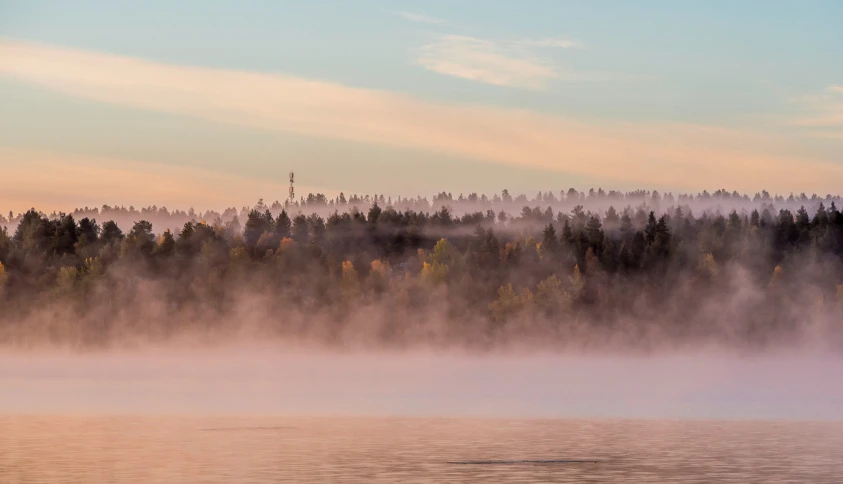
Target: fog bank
pixel 283 381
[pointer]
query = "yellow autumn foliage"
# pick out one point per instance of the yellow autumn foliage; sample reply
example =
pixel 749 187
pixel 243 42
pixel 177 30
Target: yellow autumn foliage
pixel 776 279
pixel 4 276
pixel 379 276
pixel 285 245
pixel 66 277
pixel 350 282
pixel 577 282
pixel 708 266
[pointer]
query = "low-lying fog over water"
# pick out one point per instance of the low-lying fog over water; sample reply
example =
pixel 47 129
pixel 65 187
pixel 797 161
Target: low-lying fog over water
pixel 265 380
pixel 270 414
pixel 634 345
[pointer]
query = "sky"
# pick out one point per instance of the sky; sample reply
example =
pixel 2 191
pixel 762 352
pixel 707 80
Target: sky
pixel 210 104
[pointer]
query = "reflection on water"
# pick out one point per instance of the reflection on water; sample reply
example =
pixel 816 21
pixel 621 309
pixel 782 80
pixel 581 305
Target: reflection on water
pixel 257 450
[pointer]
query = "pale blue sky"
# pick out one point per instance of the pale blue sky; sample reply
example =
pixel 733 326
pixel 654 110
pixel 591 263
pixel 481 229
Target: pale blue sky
pixel 667 85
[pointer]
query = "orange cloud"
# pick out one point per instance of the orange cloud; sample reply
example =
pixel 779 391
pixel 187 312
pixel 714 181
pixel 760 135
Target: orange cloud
pixel 668 154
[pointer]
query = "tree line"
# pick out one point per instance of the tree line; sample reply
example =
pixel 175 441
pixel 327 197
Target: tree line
pixel 637 276
pixel 564 200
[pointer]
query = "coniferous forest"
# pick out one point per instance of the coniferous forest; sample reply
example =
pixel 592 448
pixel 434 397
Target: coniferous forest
pixel 569 271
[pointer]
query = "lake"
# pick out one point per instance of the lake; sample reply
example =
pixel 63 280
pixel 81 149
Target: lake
pixel 125 449
pixel 284 415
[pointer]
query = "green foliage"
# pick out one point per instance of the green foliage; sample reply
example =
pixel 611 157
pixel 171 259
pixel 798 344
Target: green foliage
pixel 89 231
pixel 34 233
pixel 111 232
pixel 66 236
pixel 300 232
pixel 5 244
pixel 166 245
pixel 257 224
pixel 283 225
pixel 374 213
pixel 550 242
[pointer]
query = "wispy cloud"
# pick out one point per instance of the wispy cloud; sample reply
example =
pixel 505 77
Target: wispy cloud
pixel 487 61
pixel 551 42
pixel 420 17
pixel 666 154
pixel 502 63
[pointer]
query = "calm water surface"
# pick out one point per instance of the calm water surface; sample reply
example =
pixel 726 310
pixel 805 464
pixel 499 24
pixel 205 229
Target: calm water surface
pixel 39 449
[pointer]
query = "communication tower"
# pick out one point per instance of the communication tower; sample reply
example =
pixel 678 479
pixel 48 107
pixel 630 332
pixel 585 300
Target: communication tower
pixel 292 190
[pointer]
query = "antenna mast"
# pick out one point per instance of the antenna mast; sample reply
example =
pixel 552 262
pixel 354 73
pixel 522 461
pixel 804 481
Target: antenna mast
pixel 292 190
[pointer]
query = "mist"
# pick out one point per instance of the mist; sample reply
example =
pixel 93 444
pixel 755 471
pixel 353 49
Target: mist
pixel 268 380
pixel 573 273
pixel 638 307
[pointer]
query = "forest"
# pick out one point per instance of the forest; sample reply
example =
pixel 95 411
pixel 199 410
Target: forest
pixel 574 271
